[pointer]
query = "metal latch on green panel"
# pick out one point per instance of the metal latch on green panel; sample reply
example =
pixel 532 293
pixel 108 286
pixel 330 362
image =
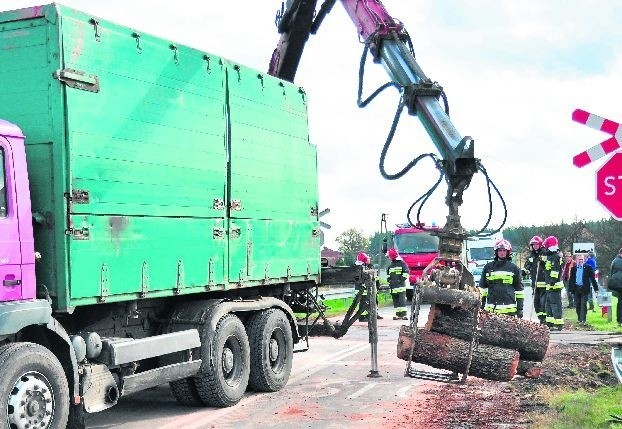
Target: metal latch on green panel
pixel 78 233
pixel 78 79
pixel 80 196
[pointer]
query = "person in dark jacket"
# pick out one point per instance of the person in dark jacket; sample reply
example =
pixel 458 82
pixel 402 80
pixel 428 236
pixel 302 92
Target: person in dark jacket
pixel 501 278
pixel 591 261
pixel 581 281
pixel 615 284
pixel 554 284
pixel 535 266
pixel 398 276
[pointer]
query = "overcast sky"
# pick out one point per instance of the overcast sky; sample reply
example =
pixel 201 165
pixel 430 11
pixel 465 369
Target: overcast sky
pixel 513 72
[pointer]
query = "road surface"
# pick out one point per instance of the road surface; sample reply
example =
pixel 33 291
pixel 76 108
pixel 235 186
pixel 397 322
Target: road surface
pixel 329 387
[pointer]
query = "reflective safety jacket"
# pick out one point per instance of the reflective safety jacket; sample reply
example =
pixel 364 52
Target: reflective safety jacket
pixel 552 271
pixel 398 274
pixel 535 264
pixel 502 280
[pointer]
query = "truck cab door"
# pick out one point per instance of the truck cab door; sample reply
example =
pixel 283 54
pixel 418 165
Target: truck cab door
pixel 10 249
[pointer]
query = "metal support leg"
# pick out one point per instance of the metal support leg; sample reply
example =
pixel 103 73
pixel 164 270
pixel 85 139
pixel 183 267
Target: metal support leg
pixel 372 325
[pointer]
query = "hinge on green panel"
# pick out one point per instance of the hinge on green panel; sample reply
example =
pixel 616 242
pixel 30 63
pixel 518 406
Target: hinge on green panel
pixel 219 204
pixel 144 280
pixel 78 79
pixel 316 232
pixel 104 283
pixel 236 205
pixel 181 277
pixel 78 233
pixel 314 211
pixel 265 273
pixel 218 233
pixel 249 257
pixel 210 274
pixel 236 232
pixel 80 196
pixel 95 24
pixel 289 272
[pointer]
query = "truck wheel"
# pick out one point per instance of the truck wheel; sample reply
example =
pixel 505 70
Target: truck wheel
pixel 270 336
pixel 223 383
pixel 33 388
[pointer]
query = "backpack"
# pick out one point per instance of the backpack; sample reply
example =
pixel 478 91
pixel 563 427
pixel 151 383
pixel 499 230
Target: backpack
pixel 615 282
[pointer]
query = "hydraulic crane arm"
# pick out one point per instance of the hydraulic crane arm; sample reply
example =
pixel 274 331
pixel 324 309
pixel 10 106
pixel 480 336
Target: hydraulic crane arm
pixel 388 42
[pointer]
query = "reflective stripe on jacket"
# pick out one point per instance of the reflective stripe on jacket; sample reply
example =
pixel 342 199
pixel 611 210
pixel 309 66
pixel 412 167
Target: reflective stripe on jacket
pixel 501 279
pixel 398 274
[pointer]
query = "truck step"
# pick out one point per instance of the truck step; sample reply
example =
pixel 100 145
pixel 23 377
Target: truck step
pixel 120 351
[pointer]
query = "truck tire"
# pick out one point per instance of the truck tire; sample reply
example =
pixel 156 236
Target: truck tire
pixel 33 388
pixel 185 392
pixel 272 350
pixel 223 384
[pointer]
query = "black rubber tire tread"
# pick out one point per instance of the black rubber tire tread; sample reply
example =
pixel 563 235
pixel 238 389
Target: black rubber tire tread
pixel 211 387
pixel 185 392
pixel 23 357
pixel 259 329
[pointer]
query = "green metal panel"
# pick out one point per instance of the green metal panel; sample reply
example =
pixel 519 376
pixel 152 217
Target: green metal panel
pixel 155 157
pixel 272 251
pixel 274 178
pixel 273 165
pixel 133 254
pixel 164 149
pixel 157 147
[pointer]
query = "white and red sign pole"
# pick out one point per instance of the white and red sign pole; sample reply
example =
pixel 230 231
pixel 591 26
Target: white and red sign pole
pixel 598 123
pixel 609 175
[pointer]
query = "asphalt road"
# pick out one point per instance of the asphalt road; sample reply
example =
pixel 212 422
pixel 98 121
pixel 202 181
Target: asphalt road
pixel 329 387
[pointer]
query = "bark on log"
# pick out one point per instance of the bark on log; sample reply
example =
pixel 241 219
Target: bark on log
pixel 460 298
pixel 529 338
pixel 529 369
pixel 445 352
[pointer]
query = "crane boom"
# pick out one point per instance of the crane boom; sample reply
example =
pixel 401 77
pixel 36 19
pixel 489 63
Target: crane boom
pixel 388 42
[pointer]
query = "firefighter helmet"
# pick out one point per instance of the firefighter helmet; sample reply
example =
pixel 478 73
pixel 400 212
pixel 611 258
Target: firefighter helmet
pixel 503 244
pixel 362 259
pixel 392 253
pixel 551 243
pixel 536 239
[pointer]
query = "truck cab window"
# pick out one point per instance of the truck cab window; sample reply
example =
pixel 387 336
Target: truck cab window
pixel 3 196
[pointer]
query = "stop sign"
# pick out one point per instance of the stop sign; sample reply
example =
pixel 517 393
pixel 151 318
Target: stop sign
pixel 609 185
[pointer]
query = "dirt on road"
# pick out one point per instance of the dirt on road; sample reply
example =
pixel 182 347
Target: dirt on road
pixel 486 404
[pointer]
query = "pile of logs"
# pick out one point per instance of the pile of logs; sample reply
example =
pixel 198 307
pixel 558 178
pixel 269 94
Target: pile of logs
pixel 507 345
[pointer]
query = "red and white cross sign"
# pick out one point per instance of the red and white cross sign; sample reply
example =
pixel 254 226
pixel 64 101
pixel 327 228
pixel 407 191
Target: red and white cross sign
pixel 598 123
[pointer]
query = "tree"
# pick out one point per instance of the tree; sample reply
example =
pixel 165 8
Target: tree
pixel 351 242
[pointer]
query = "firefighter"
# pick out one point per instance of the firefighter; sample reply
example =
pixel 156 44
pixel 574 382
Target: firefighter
pixel 554 284
pixel 364 260
pixel 535 265
pixel 501 279
pixel 398 275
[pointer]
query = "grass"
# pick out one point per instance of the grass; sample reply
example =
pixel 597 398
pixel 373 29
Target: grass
pixel 595 319
pixel 337 307
pixel 581 409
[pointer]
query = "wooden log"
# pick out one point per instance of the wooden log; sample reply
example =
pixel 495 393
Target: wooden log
pixel 529 338
pixel 445 352
pixel 529 369
pixel 460 298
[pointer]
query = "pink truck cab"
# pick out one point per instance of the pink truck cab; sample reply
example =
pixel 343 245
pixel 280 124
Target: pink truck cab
pixel 417 247
pixel 17 255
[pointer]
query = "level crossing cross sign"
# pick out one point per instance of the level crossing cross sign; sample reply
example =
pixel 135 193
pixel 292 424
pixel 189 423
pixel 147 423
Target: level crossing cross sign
pixel 609 185
pixel 609 176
